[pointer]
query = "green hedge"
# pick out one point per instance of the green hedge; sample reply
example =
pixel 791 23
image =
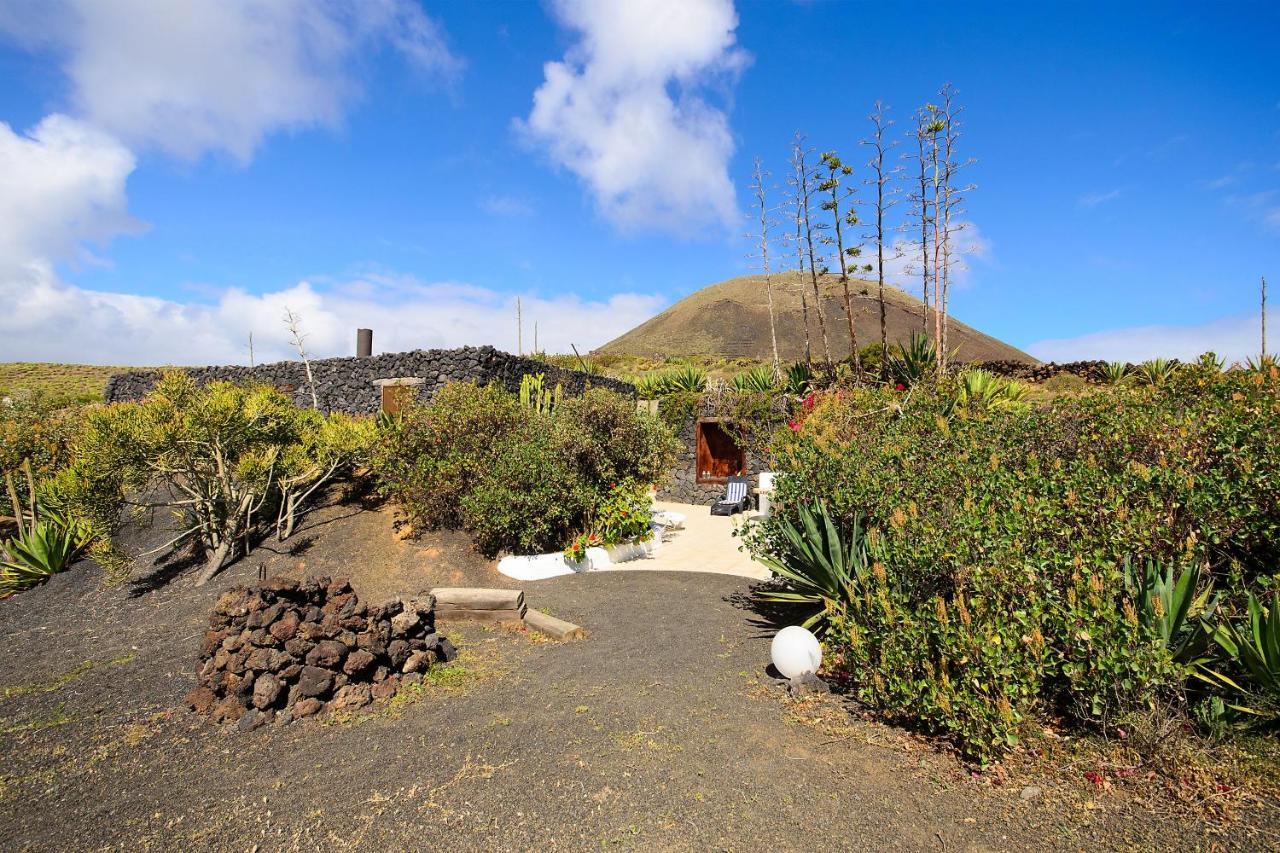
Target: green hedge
pixel 1002 534
pixel 517 479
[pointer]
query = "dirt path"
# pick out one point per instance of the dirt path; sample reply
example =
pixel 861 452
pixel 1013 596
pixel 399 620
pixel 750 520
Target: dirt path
pixel 655 732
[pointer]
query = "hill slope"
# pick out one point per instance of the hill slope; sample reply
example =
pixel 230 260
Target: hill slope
pixel 731 319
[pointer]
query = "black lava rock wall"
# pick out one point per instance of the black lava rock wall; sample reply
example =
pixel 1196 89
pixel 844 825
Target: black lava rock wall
pixel 347 384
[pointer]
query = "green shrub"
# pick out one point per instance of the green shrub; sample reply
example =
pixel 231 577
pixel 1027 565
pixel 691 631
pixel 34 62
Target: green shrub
pixel 1028 517
pixel 1065 383
pixel 225 458
pixel 518 478
pixel 38 434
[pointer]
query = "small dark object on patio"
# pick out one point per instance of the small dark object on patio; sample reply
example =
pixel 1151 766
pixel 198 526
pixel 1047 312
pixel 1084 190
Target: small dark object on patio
pixel 735 498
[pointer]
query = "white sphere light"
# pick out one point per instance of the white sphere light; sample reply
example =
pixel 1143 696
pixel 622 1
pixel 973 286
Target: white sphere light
pixel 795 652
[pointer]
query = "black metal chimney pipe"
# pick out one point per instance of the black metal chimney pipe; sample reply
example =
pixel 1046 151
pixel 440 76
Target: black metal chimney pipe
pixel 364 343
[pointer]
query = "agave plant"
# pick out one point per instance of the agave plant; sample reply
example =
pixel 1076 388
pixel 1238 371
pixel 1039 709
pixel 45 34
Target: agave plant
pixel 981 388
pixel 46 548
pixel 650 386
pixel 1254 647
pixel 913 362
pixel 799 379
pixel 818 563
pixel 759 380
pixel 1174 609
pixel 685 379
pixel 1115 372
pixel 1210 361
pixel 589 367
pixel 1157 371
pixel 1262 364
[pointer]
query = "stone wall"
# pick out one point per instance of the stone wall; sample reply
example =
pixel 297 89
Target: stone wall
pixel 681 484
pixel 347 384
pixel 289 649
pixel 1091 371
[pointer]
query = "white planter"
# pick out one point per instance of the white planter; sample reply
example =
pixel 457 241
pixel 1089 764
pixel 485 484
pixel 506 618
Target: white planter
pixel 536 567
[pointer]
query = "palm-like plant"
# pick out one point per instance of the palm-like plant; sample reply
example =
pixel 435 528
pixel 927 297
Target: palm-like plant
pixel 818 563
pixel 1115 372
pixel 1262 364
pixel 685 379
pixel 913 362
pixel 984 389
pixel 1157 371
pixel 589 367
pixel 1255 647
pixel 759 380
pixel 1174 609
pixel 46 548
pixel 799 379
pixel 650 386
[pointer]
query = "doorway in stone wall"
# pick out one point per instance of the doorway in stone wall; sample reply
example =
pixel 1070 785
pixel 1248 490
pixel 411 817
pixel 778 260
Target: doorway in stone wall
pixel 719 456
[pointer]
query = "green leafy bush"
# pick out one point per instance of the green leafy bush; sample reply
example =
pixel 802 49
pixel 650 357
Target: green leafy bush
pixel 518 478
pixel 1027 517
pixel 223 456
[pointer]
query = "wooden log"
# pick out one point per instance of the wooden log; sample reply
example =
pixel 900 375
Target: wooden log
pixel 557 629
pixel 492 616
pixel 475 598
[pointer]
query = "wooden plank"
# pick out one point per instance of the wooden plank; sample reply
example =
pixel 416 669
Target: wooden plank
pixel 461 615
pixel 475 598
pixel 557 629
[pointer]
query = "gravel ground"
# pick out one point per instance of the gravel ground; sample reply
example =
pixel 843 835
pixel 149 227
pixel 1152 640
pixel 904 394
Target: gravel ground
pixel 657 731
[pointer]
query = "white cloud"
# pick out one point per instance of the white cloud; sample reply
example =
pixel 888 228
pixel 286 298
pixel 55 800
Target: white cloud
pixel 624 112
pixel 902 261
pixel 62 184
pixel 1096 198
pixel 218 75
pixel 1233 338
pixel 49 320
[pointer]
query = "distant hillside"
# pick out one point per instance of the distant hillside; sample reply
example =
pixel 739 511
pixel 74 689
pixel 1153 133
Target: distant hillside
pixel 81 383
pixel 731 320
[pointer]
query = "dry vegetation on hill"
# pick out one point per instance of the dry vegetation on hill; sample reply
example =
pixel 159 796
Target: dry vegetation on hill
pixel 80 383
pixel 730 320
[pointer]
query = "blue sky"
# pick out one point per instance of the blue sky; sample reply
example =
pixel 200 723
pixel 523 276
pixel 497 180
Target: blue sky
pixel 171 181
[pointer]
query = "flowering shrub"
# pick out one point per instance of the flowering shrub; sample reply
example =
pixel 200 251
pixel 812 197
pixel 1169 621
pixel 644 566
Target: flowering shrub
pixel 1002 533
pixel 624 515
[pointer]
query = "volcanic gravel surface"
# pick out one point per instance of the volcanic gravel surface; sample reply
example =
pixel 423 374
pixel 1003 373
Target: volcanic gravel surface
pixel 659 730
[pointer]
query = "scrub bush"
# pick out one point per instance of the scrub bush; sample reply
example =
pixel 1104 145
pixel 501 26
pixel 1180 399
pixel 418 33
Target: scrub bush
pixel 225 458
pixel 1002 534
pixel 517 478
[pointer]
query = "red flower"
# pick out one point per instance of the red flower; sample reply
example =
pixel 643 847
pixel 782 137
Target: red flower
pixel 899 387
pixel 794 424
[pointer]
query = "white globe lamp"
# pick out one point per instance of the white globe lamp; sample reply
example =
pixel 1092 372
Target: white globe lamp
pixel 795 652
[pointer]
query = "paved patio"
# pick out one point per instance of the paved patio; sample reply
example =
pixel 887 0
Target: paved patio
pixel 706 544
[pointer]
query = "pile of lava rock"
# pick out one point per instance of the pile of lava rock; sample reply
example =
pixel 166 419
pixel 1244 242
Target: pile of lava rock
pixel 290 649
